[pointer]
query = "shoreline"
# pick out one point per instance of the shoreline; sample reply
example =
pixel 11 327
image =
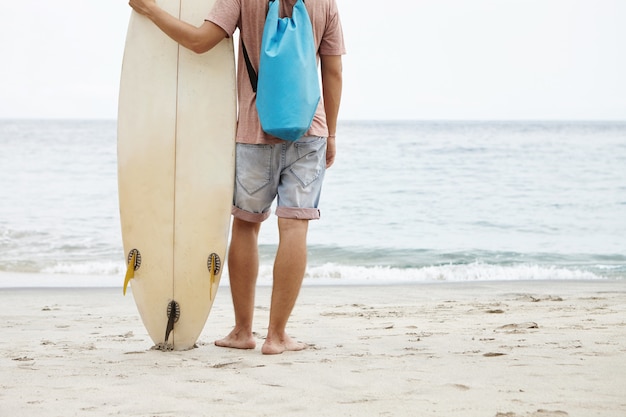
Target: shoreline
pixel 494 349
pixel 35 280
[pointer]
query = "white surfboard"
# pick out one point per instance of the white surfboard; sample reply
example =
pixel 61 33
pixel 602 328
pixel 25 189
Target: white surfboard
pixel 176 159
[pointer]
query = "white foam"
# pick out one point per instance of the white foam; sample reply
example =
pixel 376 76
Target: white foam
pixel 87 268
pixel 112 274
pixel 333 274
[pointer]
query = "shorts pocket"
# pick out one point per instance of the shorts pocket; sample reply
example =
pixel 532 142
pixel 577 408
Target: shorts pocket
pixel 311 160
pixel 253 166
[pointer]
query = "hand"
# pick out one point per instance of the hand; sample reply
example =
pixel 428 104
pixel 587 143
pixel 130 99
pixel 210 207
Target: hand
pixel 331 151
pixel 142 6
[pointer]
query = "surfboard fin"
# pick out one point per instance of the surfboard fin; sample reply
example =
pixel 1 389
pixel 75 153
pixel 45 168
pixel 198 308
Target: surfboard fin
pixel 214 266
pixel 134 260
pixel 173 314
pixel 212 269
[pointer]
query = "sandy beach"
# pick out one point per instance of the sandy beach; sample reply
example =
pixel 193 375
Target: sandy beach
pixel 491 349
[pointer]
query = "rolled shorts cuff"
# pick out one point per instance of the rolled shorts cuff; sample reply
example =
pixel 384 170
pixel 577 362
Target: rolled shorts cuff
pixel 298 213
pixel 249 217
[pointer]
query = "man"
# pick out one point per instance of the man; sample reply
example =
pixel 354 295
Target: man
pixel 267 167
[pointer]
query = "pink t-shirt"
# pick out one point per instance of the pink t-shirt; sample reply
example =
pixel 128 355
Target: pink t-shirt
pixel 249 17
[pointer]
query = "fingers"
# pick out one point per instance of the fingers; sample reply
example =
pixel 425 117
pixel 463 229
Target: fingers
pixel 331 151
pixel 140 6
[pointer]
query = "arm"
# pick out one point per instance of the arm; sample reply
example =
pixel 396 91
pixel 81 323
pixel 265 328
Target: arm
pixel 332 81
pixel 198 39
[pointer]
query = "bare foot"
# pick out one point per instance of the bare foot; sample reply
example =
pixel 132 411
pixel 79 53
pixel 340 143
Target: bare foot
pixel 275 346
pixel 237 339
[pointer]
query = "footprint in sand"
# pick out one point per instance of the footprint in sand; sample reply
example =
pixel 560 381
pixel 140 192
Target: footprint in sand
pixel 518 327
pixel 548 413
pixel 538 413
pixel 526 325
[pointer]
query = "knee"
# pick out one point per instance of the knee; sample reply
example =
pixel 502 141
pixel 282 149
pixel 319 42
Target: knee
pixel 245 227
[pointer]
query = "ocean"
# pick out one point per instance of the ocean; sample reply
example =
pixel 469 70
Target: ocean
pixel 405 202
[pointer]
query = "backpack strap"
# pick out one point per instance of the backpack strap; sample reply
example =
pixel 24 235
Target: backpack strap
pixel 251 72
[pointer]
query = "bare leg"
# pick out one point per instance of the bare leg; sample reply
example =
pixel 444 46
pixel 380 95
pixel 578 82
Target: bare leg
pixel 243 266
pixel 289 268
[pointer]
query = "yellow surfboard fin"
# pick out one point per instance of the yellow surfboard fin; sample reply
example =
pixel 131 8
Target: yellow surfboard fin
pixel 130 270
pixel 212 269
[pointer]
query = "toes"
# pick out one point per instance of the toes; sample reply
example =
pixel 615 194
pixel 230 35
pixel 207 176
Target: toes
pixel 274 348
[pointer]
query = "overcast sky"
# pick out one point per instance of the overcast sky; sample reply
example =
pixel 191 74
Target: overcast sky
pixel 407 59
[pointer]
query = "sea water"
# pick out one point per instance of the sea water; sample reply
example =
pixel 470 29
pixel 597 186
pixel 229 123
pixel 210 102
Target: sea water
pixel 405 202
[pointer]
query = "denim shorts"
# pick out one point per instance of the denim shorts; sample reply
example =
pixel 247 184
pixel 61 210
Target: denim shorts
pixel 293 172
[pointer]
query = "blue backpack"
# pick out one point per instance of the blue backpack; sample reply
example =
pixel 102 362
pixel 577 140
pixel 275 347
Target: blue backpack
pixel 287 86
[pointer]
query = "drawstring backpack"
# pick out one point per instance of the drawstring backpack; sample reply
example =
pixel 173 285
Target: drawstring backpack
pixel 286 86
